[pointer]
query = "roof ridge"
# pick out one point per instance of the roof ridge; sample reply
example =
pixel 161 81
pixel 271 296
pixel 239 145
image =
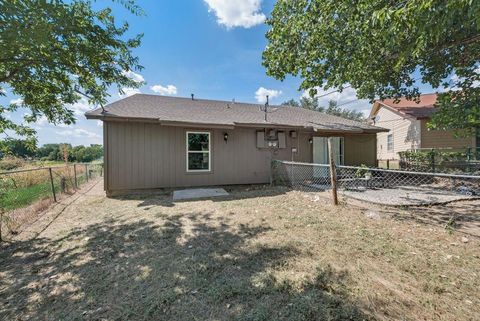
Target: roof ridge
pixel 203 99
pixel 218 112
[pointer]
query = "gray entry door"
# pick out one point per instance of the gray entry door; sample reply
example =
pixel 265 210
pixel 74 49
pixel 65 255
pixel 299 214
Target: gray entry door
pixel 320 154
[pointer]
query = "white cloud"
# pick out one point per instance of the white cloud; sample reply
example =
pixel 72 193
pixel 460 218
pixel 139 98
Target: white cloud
pixel 347 98
pixel 127 92
pixel 79 133
pixel 99 123
pixel 80 107
pixel 63 126
pixel 134 76
pixel 238 13
pixel 42 120
pixel 366 112
pixel 455 79
pixel 169 90
pixel 17 101
pixel 261 94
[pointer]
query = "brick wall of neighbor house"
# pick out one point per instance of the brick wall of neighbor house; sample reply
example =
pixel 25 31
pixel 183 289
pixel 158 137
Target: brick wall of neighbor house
pixel 147 155
pixel 443 139
pixel 405 131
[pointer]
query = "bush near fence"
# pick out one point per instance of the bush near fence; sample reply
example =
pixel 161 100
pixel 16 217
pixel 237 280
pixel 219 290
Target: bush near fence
pixel 441 160
pixel 24 193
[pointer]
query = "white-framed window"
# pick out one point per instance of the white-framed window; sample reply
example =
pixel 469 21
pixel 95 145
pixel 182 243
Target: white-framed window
pixel 390 142
pixel 198 151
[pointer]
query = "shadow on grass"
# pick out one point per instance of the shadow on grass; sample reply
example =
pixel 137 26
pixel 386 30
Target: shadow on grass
pixel 163 197
pixel 461 216
pixel 153 271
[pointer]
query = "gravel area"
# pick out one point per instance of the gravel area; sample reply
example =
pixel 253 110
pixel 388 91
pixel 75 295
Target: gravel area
pixel 406 196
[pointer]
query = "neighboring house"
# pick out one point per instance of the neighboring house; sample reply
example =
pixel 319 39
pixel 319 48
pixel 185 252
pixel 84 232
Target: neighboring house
pixel 153 141
pixel 407 121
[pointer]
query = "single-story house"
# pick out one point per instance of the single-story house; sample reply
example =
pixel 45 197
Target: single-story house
pixel 406 121
pixel 153 141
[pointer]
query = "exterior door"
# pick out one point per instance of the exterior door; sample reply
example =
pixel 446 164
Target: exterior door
pixel 320 154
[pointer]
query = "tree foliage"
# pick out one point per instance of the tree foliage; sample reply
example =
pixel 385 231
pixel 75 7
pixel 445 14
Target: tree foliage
pixel 376 47
pixel 312 103
pixel 334 109
pixel 18 148
pixel 54 152
pixel 54 53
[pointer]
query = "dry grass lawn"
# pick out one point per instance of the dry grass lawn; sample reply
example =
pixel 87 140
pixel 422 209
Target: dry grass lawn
pixel 261 254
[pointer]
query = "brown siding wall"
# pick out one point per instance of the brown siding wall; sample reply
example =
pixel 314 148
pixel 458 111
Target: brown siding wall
pixel 143 156
pixel 443 139
pixel 361 149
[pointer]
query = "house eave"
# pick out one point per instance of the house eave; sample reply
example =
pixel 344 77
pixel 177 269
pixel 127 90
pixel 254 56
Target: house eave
pixel 313 128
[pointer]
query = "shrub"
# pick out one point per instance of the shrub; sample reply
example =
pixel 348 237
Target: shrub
pixel 10 163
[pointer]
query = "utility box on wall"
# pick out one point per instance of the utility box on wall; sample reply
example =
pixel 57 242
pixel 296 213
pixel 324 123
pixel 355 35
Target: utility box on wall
pixel 273 139
pixel 282 140
pixel 260 139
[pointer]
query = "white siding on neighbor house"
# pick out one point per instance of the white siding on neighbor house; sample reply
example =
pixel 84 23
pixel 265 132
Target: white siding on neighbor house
pixel 405 131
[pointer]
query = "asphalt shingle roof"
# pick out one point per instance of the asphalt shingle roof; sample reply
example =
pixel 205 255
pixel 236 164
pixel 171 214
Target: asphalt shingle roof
pixel 424 108
pixel 214 112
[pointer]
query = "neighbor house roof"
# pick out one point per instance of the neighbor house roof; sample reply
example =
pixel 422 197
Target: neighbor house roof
pixel 176 110
pixel 422 109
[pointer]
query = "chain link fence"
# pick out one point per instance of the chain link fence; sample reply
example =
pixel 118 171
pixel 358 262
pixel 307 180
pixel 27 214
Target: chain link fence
pixel 451 160
pixel 380 186
pixel 24 193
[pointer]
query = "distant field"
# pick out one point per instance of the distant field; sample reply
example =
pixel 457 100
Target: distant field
pixel 18 190
pixel 11 164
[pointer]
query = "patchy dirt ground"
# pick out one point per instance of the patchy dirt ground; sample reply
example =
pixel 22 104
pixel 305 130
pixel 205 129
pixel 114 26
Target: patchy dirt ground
pixel 262 254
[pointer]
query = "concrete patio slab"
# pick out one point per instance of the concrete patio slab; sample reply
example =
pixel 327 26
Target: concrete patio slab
pixel 195 193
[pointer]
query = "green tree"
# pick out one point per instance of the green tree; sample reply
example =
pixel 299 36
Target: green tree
pixel 377 46
pixel 291 102
pixel 334 109
pixel 48 152
pixel 54 53
pixel 18 148
pixel 87 154
pixel 311 103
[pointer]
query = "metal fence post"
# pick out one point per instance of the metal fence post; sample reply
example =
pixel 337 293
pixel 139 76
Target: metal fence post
pixel 51 183
pixel 432 159
pixel 75 175
pixel 86 171
pixel 469 158
pixel 270 173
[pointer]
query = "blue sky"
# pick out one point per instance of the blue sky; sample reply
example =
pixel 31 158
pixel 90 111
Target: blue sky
pixel 211 48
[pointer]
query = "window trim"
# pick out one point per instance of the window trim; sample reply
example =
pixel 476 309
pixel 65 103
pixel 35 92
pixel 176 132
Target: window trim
pixel 187 152
pixel 393 147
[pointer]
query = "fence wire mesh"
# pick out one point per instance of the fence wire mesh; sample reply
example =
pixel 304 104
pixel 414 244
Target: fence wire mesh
pixel 381 186
pixel 451 160
pixel 24 193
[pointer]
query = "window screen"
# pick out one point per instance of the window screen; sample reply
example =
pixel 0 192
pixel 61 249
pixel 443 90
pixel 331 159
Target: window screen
pixel 198 151
pixel 390 142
